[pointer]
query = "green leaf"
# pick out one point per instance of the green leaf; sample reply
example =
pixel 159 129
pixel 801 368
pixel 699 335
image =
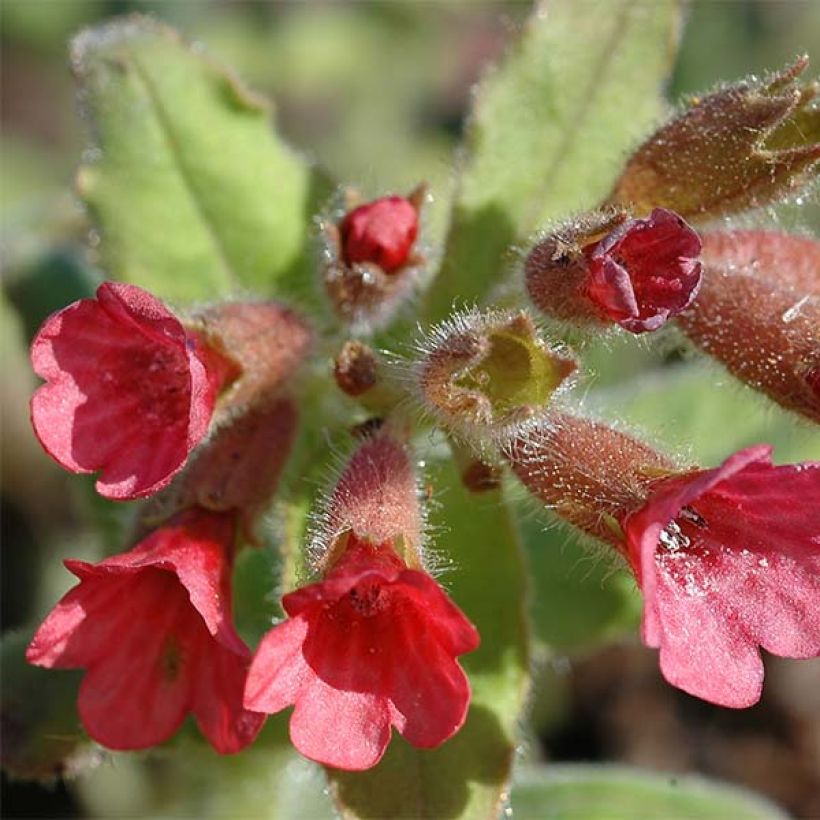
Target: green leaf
pixel 606 792
pixel 551 129
pixel 704 414
pixel 193 193
pixel 581 598
pixel 466 776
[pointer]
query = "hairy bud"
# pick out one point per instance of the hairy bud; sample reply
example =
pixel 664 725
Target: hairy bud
pixel 742 147
pixel 371 260
pixel 638 274
pixel 758 313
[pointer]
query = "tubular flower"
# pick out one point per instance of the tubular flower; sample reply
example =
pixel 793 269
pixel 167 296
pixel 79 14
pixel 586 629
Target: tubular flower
pixel 645 271
pixel 728 561
pixel 128 391
pixel 152 628
pixel 374 643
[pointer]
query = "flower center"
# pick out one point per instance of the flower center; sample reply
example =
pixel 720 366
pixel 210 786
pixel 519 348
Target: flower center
pixel 368 599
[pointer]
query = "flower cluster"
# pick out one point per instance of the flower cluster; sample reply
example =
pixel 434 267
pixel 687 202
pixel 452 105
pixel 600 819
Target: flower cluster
pixel 202 412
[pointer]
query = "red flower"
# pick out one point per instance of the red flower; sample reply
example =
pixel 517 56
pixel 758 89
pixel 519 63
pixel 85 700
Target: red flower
pixel 645 271
pixel 372 645
pixel 153 629
pixel 729 560
pixel 381 232
pixel 128 392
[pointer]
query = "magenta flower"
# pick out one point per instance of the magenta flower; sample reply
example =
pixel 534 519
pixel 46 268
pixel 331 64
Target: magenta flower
pixel 381 232
pixel 645 271
pixel 729 561
pixel 152 628
pixel 373 645
pixel 128 392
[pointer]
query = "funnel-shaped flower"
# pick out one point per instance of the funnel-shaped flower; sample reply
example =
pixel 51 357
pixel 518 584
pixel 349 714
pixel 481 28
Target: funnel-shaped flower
pixel 729 560
pixel 152 628
pixel 374 643
pixel 128 392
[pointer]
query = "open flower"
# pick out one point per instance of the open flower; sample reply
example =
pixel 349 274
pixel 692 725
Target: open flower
pixel 372 645
pixel 729 561
pixel 645 271
pixel 152 628
pixel 128 392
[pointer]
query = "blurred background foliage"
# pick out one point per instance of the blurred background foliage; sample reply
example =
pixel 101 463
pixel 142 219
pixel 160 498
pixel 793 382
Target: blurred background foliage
pixel 376 92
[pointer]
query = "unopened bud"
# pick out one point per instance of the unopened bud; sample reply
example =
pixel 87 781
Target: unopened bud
pixel 742 147
pixel 371 259
pixel 240 466
pixel 487 374
pixel 638 274
pixel 376 500
pixel 758 314
pixel 356 368
pixel 265 340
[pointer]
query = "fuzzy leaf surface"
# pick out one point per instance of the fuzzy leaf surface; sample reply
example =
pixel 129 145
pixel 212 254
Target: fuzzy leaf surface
pixel 466 776
pixel 603 792
pixel 193 194
pixel 550 130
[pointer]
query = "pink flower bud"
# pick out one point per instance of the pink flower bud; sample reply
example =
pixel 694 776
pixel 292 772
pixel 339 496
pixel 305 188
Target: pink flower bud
pixel 638 275
pixel 128 391
pixel 381 232
pixel 152 628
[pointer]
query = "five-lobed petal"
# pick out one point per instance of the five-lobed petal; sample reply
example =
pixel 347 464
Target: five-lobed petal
pixel 372 645
pixel 152 628
pixel 128 392
pixel 729 561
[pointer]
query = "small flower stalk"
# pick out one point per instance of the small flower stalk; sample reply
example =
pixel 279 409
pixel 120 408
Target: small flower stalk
pixel 374 643
pixel 487 374
pixel 152 628
pixel 729 555
pixel 742 147
pixel 759 314
pixel 371 260
pixel 604 269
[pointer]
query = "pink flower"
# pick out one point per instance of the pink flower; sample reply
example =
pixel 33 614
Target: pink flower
pixel 128 392
pixel 645 271
pixel 729 561
pixel 372 645
pixel 381 232
pixel 152 627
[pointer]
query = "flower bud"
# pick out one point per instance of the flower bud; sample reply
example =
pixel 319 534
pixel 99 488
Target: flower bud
pixel 756 316
pixel 371 259
pixel 741 147
pixel 355 369
pixel 638 275
pixel 266 342
pixel 375 499
pixel 486 374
